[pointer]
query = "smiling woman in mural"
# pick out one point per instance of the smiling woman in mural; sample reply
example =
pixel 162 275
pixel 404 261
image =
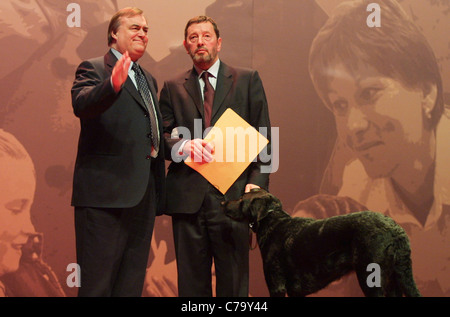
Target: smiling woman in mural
pixel 16 195
pixel 22 271
pixel 384 89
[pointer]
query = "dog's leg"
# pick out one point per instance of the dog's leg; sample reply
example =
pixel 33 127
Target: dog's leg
pixel 295 286
pixel 396 267
pixel 275 279
pixel 392 289
pixel 403 267
pixel 389 285
pixel 406 282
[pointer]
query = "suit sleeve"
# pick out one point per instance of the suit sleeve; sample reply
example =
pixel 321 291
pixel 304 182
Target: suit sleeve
pixel 91 94
pixel 259 118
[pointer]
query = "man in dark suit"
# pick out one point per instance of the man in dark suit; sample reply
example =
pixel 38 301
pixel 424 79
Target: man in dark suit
pixel 202 232
pixel 119 171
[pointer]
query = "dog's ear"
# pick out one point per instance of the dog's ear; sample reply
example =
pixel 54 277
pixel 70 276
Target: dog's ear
pixel 258 209
pixel 262 206
pixel 255 209
pixel 245 208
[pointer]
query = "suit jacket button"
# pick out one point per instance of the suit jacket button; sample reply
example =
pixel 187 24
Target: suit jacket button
pixel 148 157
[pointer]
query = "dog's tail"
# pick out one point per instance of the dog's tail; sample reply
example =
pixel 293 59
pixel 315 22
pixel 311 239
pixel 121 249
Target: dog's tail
pixel 403 267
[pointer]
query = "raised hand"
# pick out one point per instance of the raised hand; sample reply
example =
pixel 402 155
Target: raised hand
pixel 120 71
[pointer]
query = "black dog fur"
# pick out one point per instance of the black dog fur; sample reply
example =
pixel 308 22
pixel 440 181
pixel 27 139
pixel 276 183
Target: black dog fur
pixel 303 255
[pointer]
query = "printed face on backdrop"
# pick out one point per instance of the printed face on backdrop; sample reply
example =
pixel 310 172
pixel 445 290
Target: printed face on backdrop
pixel 17 186
pixel 380 119
pixel 202 44
pixel 132 36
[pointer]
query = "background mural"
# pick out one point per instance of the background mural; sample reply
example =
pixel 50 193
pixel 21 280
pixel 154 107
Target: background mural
pixel 42 46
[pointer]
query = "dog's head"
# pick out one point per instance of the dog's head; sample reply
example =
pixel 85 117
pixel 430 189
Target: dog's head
pixel 252 206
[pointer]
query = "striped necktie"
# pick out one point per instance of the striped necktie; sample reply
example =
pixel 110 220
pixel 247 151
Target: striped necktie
pixel 208 98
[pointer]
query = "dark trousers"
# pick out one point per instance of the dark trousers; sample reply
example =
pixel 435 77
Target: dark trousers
pixel 210 236
pixel 113 246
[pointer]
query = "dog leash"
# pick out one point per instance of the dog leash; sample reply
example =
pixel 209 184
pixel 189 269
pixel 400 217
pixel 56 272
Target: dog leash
pixel 250 241
pixel 251 232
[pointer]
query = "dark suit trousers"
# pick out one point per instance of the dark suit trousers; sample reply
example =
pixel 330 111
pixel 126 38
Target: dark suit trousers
pixel 113 246
pixel 207 236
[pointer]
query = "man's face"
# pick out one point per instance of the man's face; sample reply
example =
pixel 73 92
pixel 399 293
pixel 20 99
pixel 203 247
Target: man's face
pixel 17 186
pixel 202 44
pixel 132 36
pixel 378 118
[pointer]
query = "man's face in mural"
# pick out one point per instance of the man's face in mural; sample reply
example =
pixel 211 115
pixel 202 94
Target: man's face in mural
pixel 17 186
pixel 378 118
pixel 132 36
pixel 202 44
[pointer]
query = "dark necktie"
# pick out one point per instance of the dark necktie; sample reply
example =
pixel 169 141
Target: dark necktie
pixel 146 96
pixel 208 98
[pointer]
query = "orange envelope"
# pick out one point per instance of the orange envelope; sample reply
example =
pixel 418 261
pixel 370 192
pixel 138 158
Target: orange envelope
pixel 236 145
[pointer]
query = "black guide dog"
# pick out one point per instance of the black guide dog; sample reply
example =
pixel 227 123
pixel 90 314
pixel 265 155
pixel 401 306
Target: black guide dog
pixel 303 255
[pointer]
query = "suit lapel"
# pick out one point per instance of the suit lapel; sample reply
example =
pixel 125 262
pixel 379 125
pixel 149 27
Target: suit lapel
pixel 224 83
pixel 131 88
pixel 193 88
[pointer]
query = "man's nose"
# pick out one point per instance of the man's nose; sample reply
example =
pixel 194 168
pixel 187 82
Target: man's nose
pixel 200 41
pixel 142 33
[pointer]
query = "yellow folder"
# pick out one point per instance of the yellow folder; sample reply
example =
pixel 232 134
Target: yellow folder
pixel 236 145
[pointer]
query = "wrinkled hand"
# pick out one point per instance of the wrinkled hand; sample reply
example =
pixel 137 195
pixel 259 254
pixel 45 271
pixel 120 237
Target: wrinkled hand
pixel 199 150
pixel 120 71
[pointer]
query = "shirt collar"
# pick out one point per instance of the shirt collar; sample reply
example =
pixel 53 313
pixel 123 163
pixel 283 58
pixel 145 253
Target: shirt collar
pixel 213 70
pixel 118 55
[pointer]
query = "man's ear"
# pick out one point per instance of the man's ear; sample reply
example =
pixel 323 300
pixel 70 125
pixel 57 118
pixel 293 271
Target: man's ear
pixel 429 100
pixel 114 35
pixel 186 46
pixel 219 44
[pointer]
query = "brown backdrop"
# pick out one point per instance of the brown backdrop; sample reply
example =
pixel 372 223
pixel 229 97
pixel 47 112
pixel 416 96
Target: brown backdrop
pixel 40 53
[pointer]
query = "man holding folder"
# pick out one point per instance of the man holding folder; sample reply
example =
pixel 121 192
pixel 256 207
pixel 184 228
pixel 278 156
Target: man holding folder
pixel 202 232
